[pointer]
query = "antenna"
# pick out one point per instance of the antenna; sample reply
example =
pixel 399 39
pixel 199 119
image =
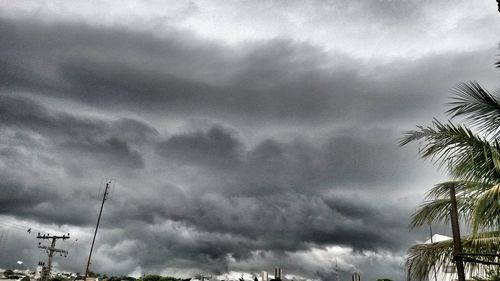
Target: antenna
pixel 336 270
pixel 111 191
pixel 3 242
pixel 104 198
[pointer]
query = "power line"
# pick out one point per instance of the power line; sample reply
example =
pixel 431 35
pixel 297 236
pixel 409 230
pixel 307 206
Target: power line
pixel 23 227
pixel 50 251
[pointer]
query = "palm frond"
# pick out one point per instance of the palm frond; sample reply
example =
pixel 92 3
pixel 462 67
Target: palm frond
pixel 437 206
pixel 466 155
pixel 486 212
pixel 481 108
pixel 497 63
pixel 471 155
pixel 462 189
pixel 438 210
pixel 423 259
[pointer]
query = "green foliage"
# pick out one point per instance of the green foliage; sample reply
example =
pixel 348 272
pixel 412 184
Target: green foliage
pixel 93 274
pixel 480 107
pixel 470 153
pixel 466 155
pixel 472 159
pixel 8 272
pixel 424 258
pixel 151 278
pixel 491 275
pixel 169 278
pixel 154 277
pixel 25 278
pixel 58 278
pixel 121 278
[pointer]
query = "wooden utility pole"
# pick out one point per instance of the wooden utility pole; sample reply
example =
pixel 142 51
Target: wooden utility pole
pixel 104 197
pixel 430 230
pixel 50 251
pixel 457 245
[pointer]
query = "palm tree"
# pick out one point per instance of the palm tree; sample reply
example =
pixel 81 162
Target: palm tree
pixel 470 153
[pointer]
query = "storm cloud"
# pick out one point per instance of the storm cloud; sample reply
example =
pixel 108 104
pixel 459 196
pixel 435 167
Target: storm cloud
pixel 228 152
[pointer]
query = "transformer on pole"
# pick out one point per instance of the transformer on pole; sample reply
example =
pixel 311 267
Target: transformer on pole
pixel 50 251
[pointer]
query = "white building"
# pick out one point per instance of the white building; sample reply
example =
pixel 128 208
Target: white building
pixel 448 272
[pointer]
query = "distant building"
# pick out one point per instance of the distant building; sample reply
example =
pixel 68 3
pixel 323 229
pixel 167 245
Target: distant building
pixel 278 273
pixel 265 276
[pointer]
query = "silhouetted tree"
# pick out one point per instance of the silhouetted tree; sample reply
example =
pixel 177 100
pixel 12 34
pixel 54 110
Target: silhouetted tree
pixel 58 278
pixel 8 272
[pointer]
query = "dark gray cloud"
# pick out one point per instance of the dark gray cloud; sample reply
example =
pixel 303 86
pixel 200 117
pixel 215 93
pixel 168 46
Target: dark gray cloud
pixel 215 147
pixel 272 166
pixel 267 196
pixel 112 68
pixel 45 204
pixel 273 190
pixel 296 153
pixel 80 136
pixel 39 145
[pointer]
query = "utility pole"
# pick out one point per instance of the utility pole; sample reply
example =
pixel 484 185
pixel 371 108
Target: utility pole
pixel 51 250
pixel 457 245
pixel 435 273
pixel 104 197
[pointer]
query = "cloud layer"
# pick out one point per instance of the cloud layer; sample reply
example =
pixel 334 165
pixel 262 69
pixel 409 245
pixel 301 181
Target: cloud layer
pixel 226 157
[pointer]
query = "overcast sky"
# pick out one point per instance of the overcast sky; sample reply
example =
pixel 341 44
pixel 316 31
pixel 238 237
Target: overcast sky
pixel 240 135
